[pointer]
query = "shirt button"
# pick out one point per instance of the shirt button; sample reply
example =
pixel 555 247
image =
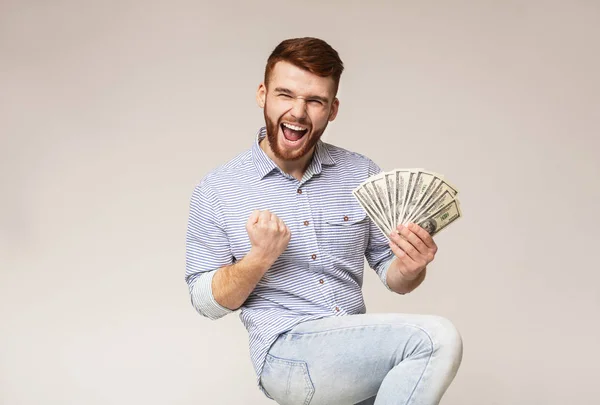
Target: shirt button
pixel 299 191
pixel 306 223
pixel 337 309
pixel 321 281
pixel 314 257
pixel 345 217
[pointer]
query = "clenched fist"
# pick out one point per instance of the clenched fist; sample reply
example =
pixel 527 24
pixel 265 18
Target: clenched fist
pixel 268 234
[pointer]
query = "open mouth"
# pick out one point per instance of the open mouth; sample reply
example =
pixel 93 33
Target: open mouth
pixel 293 133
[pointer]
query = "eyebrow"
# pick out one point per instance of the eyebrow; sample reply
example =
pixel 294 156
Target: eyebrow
pixel 291 93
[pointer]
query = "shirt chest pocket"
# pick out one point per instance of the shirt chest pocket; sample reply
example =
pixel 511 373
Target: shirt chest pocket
pixel 345 229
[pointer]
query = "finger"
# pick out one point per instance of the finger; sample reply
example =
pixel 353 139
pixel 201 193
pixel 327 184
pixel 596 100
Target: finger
pixel 423 235
pixel 406 246
pixel 281 225
pixel 253 218
pixel 414 239
pixel 265 217
pixel 405 260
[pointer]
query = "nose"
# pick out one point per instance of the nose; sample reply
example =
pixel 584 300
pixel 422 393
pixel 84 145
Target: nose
pixel 299 109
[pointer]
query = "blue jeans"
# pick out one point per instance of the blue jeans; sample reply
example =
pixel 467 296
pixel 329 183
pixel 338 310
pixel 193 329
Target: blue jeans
pixel 380 359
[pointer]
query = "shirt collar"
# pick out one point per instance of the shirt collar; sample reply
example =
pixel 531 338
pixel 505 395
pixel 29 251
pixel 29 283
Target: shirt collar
pixel 264 165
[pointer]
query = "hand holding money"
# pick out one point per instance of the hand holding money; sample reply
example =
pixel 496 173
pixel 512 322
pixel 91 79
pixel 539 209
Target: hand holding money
pixel 414 248
pixel 269 236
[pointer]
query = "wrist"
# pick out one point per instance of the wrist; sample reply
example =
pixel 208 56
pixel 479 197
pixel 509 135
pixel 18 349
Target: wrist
pixel 402 283
pixel 259 258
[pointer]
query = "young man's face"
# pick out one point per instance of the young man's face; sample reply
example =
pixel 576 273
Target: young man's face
pixel 298 105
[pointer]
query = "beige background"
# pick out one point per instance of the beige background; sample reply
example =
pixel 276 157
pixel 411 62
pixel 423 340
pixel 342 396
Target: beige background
pixel 112 111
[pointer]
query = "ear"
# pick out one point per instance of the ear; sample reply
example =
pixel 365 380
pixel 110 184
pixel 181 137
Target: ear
pixel 334 109
pixel 261 95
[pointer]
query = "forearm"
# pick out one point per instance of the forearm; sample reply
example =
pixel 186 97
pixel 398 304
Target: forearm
pixel 398 282
pixel 231 285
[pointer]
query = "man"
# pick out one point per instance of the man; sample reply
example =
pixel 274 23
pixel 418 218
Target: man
pixel 277 233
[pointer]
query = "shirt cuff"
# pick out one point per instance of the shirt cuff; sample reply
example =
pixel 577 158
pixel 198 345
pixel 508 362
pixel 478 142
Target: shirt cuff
pixel 384 270
pixel 204 300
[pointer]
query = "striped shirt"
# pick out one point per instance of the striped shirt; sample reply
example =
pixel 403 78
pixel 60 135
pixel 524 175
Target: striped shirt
pixel 320 274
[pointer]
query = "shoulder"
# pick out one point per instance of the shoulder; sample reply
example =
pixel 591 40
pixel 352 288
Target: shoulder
pixel 226 172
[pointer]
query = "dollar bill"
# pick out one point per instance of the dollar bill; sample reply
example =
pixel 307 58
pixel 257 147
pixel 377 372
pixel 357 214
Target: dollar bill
pixel 441 218
pixel 424 181
pixel 390 182
pixel 433 202
pixel 412 174
pixel 401 177
pixel 372 210
pixel 377 185
pixel 402 196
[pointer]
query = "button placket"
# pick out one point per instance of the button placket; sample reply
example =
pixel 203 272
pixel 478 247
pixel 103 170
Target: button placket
pixel 307 226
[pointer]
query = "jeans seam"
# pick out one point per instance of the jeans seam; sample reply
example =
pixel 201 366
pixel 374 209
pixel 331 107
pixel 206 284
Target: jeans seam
pixel 424 369
pixel 309 384
pixel 357 327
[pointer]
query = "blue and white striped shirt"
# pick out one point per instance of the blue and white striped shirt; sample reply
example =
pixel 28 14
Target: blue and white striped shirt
pixel 320 274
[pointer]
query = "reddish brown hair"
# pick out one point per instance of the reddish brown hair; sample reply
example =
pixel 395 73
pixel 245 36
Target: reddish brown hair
pixel 312 54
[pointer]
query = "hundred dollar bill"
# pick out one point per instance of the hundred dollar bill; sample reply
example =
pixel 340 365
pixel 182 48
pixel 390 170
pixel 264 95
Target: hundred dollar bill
pixel 441 201
pixel 371 208
pixel 401 180
pixel 441 218
pixel 390 182
pixel 378 184
pixel 433 202
pixel 424 181
pixel 367 189
pixel 410 184
pixel 420 205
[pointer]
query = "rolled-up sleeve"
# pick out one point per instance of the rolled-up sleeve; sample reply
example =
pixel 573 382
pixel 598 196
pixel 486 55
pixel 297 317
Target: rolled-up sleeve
pixel 379 255
pixel 207 250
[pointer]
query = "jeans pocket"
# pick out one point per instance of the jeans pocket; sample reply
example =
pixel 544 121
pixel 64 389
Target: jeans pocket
pixel 287 381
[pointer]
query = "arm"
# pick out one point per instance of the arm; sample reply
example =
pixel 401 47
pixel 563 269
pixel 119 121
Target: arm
pixel 218 287
pixel 269 237
pixel 232 285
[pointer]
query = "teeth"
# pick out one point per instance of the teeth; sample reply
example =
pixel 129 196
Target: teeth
pixel 295 128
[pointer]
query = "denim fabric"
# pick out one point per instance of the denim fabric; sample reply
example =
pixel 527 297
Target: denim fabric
pixel 380 359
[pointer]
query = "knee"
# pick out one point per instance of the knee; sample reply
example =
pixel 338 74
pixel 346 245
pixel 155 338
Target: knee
pixel 447 341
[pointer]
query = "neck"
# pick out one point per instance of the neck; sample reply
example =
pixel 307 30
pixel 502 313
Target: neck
pixel 294 168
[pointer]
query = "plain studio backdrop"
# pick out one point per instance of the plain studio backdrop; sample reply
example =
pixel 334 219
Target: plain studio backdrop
pixel 112 111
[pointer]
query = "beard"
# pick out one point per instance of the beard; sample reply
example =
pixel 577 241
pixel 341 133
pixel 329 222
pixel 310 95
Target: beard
pixel 273 129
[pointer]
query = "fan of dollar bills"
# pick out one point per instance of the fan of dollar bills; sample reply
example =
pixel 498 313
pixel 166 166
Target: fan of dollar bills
pixel 404 196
